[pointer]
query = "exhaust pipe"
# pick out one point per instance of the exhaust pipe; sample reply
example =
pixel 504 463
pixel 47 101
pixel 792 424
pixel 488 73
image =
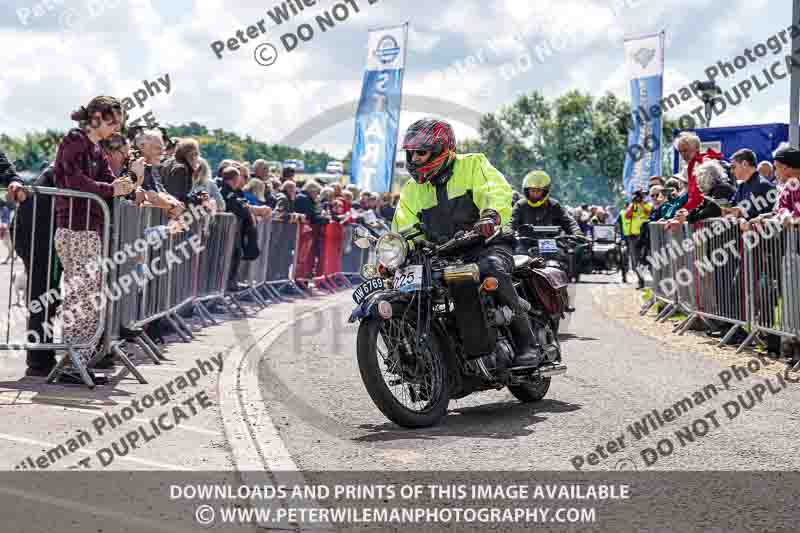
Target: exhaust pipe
pixel 556 370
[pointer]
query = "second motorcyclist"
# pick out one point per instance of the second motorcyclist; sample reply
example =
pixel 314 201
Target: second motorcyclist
pixel 537 208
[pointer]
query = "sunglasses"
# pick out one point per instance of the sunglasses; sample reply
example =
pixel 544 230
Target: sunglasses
pixel 420 153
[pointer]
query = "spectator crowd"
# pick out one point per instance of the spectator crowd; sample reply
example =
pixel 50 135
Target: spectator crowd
pixel 145 166
pixel 743 191
pixel 150 169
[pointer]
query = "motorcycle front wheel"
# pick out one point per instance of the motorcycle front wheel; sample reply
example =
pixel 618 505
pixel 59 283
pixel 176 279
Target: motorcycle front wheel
pixel 407 382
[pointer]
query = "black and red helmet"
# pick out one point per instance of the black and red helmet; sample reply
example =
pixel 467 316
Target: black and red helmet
pixel 436 136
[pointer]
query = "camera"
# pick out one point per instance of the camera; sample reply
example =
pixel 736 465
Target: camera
pixel 197 197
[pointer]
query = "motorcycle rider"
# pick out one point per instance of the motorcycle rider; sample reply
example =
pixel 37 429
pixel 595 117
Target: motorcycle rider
pixel 452 192
pixel 538 209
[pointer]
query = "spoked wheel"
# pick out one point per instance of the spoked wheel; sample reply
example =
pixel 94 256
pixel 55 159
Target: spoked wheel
pixel 407 382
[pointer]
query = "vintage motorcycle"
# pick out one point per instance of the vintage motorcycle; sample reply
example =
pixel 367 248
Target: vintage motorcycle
pixel 570 253
pixel 430 330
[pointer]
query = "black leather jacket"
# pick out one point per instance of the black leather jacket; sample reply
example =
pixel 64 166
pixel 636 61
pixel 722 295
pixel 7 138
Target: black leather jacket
pixel 551 213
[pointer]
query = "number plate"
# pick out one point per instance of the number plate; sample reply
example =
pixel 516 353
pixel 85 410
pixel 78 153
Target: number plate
pixel 547 246
pixel 367 288
pixel 408 279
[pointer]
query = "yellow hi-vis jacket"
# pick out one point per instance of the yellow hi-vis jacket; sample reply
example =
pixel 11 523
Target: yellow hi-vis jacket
pixel 445 209
pixel 633 218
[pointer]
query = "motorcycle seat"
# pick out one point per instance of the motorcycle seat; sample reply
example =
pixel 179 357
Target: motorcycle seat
pixel 521 261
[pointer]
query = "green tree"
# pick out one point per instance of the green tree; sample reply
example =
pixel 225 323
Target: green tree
pixel 581 142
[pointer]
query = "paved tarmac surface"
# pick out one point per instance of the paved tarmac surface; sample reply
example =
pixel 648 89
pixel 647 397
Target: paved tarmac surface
pixel 289 396
pixel 616 376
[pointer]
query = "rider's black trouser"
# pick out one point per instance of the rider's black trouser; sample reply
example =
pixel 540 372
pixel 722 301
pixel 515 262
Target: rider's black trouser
pixel 497 261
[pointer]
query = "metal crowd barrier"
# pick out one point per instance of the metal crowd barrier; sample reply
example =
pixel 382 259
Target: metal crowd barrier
pixel 718 276
pixel 281 251
pixel 254 273
pixel 661 269
pixel 772 271
pixel 716 273
pixel 152 268
pixel 40 282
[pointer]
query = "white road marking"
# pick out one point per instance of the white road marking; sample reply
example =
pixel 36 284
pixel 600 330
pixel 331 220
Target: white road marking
pixel 256 445
pixel 98 412
pixel 89 451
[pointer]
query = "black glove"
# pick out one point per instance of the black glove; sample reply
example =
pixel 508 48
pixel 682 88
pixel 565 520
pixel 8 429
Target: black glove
pixel 487 223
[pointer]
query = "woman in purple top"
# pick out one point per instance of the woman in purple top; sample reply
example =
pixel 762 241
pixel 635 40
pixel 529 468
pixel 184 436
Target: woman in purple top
pixel 81 165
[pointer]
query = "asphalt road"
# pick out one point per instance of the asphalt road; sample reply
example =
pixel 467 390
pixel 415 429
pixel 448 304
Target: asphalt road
pixel 313 391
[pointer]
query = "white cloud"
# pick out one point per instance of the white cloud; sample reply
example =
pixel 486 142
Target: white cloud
pixel 459 51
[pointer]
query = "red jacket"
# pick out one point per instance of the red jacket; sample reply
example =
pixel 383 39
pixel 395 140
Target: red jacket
pixel 695 195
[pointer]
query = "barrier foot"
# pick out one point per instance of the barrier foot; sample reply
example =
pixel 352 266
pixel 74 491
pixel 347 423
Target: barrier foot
pixel 731 332
pixel 685 325
pixel 258 298
pixel 236 307
pixel 320 283
pixel 264 294
pixel 182 323
pixel 205 313
pixel 747 341
pixel 277 293
pixel 199 314
pixel 146 350
pixel 667 312
pixel 709 325
pixel 77 363
pixel 345 282
pixel 56 372
pixel 329 285
pixel 152 345
pixel 177 329
pixel 128 364
pixel 647 306
pixel 301 287
pixel 330 282
pixel 71 355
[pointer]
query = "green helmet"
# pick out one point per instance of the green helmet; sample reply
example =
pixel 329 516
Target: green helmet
pixel 536 179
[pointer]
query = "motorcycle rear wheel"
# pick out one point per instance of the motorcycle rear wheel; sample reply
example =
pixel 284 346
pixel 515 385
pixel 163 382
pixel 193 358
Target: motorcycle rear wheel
pixel 432 393
pixel 532 392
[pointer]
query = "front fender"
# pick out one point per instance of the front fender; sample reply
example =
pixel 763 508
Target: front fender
pixel 368 308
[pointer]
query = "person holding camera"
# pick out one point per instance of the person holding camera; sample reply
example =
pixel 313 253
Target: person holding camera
pixel 636 213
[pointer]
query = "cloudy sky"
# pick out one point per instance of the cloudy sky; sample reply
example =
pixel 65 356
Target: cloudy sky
pixel 473 55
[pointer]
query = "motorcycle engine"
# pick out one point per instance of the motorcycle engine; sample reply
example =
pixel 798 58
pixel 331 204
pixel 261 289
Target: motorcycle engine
pixel 501 316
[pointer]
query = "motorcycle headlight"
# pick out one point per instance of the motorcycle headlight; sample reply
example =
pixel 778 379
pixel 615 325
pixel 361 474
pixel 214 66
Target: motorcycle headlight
pixel 391 251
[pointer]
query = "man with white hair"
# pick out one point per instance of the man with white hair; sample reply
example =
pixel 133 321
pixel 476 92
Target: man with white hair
pixel 151 145
pixel 688 146
pixel 261 170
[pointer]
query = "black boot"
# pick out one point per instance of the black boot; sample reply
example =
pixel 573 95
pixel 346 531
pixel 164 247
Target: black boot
pixel 527 352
